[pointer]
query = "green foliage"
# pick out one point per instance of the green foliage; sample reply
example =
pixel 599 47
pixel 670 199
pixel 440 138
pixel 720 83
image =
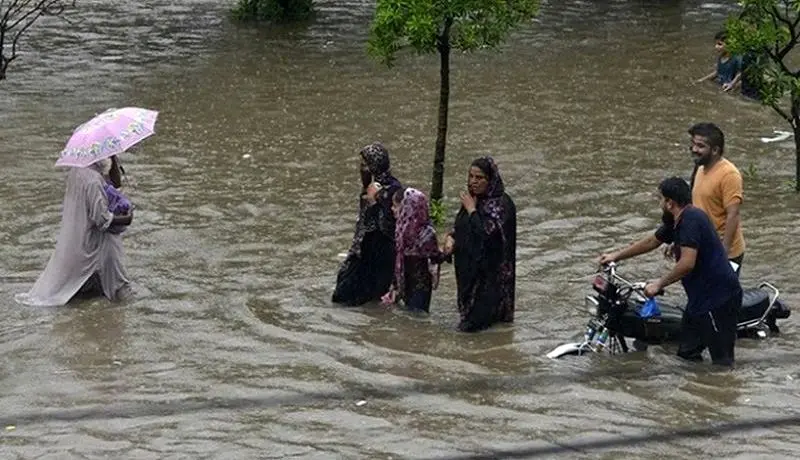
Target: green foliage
pixel 273 10
pixel 437 212
pixel 419 24
pixel 751 172
pixel 768 31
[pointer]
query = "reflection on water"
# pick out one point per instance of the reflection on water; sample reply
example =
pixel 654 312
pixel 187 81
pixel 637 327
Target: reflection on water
pixel 232 348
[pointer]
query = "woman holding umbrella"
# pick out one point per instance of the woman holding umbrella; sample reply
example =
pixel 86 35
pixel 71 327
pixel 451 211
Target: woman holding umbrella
pixel 88 256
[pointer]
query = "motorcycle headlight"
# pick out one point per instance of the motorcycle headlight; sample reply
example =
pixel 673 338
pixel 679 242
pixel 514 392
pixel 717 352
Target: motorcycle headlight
pixel 591 304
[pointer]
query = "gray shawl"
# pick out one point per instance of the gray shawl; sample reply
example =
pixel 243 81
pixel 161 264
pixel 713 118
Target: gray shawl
pixel 83 246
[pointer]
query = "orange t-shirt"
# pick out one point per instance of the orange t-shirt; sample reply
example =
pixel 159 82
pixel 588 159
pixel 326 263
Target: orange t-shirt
pixel 714 191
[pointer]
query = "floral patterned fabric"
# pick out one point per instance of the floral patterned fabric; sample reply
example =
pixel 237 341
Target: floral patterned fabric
pixel 367 272
pixel 485 255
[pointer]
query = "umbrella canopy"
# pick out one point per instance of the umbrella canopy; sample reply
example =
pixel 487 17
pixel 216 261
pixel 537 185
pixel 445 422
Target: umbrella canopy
pixel 108 134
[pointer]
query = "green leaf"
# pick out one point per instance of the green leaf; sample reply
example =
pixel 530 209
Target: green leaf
pixel 437 212
pixel 418 24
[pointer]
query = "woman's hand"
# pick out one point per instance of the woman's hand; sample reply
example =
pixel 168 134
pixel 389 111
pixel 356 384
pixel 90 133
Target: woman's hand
pixel 449 245
pixel 390 297
pixel 468 202
pixel 372 192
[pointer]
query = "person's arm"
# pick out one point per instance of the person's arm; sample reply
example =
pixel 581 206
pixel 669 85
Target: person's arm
pixel 125 219
pixel 640 247
pixel 449 246
pixel 681 269
pixel 737 75
pixel 732 195
pixel 732 84
pixel 708 77
pixel 732 222
pixel 689 243
pixel 97 206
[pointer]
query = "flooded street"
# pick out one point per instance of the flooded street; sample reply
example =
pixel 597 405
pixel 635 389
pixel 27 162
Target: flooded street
pixel 231 348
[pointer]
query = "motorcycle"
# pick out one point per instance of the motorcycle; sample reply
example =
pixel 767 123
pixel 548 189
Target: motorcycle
pixel 620 311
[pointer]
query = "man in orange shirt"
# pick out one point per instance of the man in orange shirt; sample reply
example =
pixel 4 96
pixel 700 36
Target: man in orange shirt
pixel 717 188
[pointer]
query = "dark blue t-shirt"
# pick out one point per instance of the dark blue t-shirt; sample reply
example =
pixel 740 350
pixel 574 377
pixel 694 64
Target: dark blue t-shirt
pixel 727 70
pixel 712 281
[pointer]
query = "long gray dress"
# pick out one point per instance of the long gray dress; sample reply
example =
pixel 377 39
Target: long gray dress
pixel 84 247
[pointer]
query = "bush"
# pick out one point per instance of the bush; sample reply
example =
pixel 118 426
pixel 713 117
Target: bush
pixel 273 10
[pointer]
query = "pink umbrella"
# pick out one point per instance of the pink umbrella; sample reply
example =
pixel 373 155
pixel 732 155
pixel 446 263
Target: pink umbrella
pixel 108 134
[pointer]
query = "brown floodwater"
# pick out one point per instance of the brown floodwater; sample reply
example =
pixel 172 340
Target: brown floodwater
pixel 231 348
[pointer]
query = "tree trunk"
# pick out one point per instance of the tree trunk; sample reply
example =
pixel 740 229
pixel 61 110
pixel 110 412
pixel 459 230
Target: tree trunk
pixel 795 122
pixel 437 181
pixel 3 61
pixel 796 156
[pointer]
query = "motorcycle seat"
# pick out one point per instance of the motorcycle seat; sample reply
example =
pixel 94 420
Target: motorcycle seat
pixel 755 299
pixel 754 303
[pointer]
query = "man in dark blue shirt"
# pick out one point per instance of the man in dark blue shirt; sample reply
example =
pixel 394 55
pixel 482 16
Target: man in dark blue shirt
pixel 712 287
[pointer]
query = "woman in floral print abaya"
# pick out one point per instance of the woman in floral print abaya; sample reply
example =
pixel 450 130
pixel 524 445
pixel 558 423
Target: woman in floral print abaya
pixel 483 243
pixel 417 259
pixel 367 272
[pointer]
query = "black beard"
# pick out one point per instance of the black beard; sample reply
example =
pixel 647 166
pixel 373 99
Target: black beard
pixel 366 177
pixel 701 161
pixel 668 219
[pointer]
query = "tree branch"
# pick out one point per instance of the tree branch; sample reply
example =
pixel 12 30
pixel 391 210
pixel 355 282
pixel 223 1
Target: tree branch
pixel 22 31
pixel 782 113
pixel 779 61
pixel 19 16
pixel 37 10
pixel 20 4
pixel 774 24
pixel 792 33
pixel 5 15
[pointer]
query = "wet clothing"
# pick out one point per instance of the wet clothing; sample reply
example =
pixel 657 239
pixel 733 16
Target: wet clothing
pixel 712 289
pixel 712 280
pixel 84 246
pixel 484 257
pixel 740 235
pixel 715 330
pixel 713 191
pixel 417 259
pixel 367 272
pixel 727 69
pixel 420 279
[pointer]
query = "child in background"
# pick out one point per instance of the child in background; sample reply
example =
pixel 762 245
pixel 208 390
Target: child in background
pixel 728 72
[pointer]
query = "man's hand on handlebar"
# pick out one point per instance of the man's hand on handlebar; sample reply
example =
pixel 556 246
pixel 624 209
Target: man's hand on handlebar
pixel 653 288
pixel 607 258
